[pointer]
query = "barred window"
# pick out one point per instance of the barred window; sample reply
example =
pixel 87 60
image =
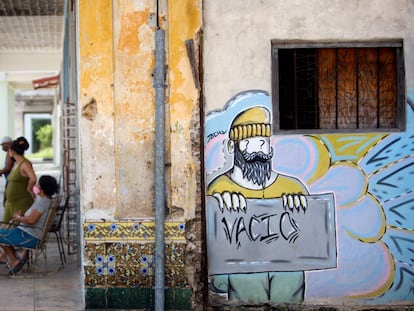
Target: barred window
pixel 338 87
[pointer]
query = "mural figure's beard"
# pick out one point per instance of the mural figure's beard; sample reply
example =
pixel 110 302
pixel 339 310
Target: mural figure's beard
pixel 255 166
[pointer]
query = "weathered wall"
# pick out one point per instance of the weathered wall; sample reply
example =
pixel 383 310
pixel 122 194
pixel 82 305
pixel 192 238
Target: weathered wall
pixel 362 256
pixel 117 100
pixel 134 106
pixel 184 22
pixel 117 127
pixel 238 33
pixel 97 124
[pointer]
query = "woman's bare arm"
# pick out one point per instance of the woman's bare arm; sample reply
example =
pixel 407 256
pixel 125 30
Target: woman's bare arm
pixel 27 170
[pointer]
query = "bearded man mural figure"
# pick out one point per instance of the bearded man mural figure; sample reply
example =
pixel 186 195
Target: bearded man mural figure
pixel 252 177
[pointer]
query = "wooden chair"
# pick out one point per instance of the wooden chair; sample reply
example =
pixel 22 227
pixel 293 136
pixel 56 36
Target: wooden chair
pixel 40 248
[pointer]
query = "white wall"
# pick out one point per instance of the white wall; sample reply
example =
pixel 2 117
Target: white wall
pixel 238 34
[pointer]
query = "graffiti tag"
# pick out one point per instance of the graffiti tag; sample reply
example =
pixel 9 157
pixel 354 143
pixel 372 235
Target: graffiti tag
pixel 215 134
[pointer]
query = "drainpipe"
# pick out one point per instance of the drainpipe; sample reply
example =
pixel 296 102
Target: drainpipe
pixel 159 86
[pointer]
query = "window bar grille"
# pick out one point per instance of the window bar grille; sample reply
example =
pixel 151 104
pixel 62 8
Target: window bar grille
pixel 315 85
pixel 378 86
pixel 295 90
pixel 357 87
pixel 336 90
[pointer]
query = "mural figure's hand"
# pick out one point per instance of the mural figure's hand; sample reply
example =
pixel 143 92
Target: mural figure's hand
pixel 232 201
pixel 294 200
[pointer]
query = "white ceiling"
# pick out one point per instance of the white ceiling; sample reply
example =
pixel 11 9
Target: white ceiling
pixel 31 37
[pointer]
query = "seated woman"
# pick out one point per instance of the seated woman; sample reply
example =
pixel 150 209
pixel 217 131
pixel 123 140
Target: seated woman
pixel 27 233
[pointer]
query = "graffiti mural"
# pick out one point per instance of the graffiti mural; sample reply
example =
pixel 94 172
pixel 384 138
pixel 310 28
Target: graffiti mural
pixel 297 218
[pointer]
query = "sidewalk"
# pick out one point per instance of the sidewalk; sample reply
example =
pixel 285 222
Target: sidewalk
pixel 60 290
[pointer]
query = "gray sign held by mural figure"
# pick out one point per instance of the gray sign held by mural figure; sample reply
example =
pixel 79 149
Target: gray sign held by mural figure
pixel 269 237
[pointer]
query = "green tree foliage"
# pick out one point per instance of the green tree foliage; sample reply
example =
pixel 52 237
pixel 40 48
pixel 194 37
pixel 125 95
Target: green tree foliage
pixel 44 136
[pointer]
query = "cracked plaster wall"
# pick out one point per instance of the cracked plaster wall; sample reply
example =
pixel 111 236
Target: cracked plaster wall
pixel 116 44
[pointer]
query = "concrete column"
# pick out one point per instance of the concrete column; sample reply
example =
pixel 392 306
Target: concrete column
pixel 6 110
pixel 6 107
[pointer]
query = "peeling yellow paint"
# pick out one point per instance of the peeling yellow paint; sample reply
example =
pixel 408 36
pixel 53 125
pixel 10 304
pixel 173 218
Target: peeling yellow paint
pixel 96 80
pixel 184 22
pixel 95 36
pixel 117 45
pixel 129 40
pixel 134 108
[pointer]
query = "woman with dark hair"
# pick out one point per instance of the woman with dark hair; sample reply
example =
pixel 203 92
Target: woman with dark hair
pixel 22 178
pixel 27 233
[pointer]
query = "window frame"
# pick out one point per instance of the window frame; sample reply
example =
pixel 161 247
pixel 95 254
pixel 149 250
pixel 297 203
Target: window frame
pixel 296 44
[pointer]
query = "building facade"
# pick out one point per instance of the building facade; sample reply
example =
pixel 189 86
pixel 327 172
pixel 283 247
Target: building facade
pixel 287 152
